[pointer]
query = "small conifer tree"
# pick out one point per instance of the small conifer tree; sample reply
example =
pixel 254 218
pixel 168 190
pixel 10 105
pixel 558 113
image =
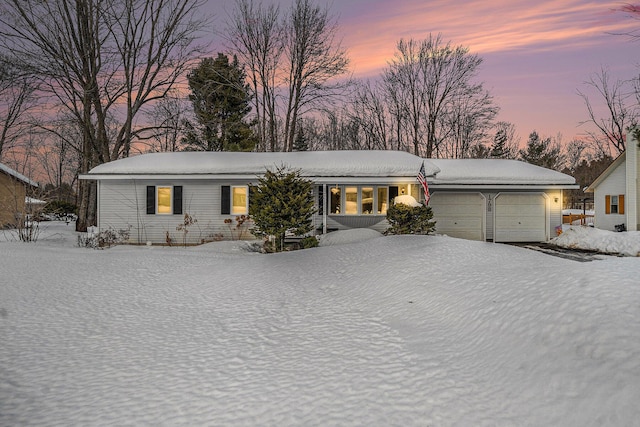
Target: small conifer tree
pixel 281 202
pixel 405 219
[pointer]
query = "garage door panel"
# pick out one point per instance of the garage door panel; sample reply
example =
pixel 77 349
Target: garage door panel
pixel 459 214
pixel 474 223
pixel 520 218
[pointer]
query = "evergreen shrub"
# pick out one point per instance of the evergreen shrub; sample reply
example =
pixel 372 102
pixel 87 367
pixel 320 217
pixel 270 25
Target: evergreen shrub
pixel 281 203
pixel 404 219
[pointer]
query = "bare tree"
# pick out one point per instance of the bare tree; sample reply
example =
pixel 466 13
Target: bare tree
pixel 611 129
pixel 256 34
pixel 466 122
pixel 294 61
pixel 17 96
pixel 370 112
pixel 315 58
pixel 432 74
pixel 403 75
pixel 168 117
pixel 102 60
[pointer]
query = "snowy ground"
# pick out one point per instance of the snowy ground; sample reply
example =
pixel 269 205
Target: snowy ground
pixel 363 331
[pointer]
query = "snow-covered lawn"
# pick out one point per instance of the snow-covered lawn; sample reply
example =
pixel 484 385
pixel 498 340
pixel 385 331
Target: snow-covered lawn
pixel 365 331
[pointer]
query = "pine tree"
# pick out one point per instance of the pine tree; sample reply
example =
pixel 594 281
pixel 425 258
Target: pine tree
pixel 301 142
pixel 281 202
pixel 498 149
pixel 541 152
pixel 220 99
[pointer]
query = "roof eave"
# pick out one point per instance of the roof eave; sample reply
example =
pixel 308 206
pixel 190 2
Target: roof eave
pixel 608 171
pixel 244 177
pixel 540 186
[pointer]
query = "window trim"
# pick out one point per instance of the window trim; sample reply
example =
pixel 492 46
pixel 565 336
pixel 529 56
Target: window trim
pixel 158 187
pixel 608 204
pixel 175 199
pixel 226 199
pixel 373 190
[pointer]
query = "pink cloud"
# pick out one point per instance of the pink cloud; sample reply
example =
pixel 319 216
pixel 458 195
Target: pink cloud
pixel 485 27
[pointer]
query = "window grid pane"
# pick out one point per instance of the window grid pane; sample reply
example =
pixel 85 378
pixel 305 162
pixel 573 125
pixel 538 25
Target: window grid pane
pixel 382 200
pixel 351 200
pixel 335 200
pixel 367 201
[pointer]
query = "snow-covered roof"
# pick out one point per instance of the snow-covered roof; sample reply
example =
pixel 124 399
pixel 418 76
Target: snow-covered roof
pixel 496 172
pixel 311 163
pixel 32 201
pixel 6 169
pixel 326 164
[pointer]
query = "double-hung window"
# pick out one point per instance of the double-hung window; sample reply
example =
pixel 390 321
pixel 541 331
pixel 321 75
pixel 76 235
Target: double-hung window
pixel 164 200
pixel 235 200
pixel 614 204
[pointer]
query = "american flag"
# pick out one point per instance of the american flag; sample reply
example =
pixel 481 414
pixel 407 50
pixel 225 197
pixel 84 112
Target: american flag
pixel 422 177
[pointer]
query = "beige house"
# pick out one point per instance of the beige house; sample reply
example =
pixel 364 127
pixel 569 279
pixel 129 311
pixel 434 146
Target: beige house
pixel 13 191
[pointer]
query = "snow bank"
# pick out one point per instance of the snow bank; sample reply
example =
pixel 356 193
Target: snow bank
pixel 343 237
pixel 589 238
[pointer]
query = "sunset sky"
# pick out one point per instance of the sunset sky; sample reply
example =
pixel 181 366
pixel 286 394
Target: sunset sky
pixel 536 54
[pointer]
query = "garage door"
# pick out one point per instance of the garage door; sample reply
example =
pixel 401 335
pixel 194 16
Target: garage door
pixel 520 218
pixel 459 214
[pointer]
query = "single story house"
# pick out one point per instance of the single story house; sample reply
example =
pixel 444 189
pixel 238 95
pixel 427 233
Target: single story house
pixel 13 191
pixel 497 200
pixel 616 193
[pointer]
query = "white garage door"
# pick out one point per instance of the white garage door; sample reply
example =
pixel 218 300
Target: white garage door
pixel 459 214
pixel 520 218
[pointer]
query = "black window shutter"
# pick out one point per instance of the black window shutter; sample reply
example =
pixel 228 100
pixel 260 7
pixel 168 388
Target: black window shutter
pixel 321 199
pixel 151 199
pixel 225 201
pixel 393 193
pixel 177 199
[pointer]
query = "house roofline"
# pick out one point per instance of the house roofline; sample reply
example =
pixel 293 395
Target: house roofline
pixel 242 177
pixel 608 171
pixel 17 175
pixel 443 186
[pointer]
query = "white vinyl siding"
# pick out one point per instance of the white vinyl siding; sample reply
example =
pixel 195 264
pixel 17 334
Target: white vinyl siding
pixel 612 184
pixel 123 204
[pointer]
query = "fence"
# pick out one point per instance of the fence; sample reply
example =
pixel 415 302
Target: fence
pixel 577 219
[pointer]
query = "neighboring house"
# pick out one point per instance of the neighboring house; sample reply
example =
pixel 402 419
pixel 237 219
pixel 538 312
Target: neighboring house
pixel 149 194
pixel 13 191
pixel 616 193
